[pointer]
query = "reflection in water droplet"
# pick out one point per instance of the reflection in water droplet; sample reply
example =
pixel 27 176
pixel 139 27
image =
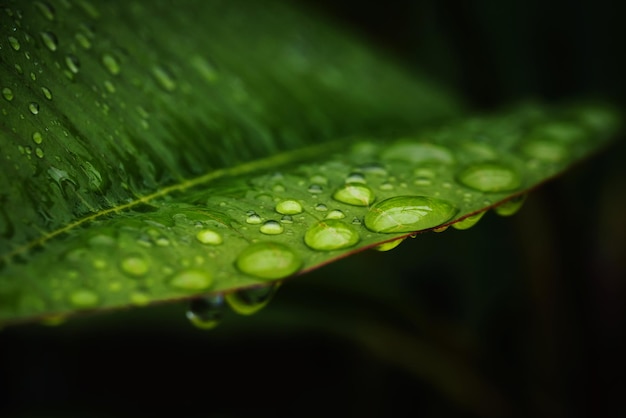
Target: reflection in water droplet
pixel 206 312
pixel 511 206
pixel 413 152
pixel 84 298
pixel 134 265
pixel 192 280
pixel 390 245
pixel 271 227
pixel 408 214
pixel 268 260
pixel 331 234
pixel 468 222
pixel 335 214
pixel 50 40
pixel 208 236
pixel 15 44
pixel 490 177
pixel 7 93
pixel 33 107
pixel 289 207
pixel 354 194
pixel 251 300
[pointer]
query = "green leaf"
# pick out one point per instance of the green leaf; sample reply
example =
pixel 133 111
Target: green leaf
pixel 154 153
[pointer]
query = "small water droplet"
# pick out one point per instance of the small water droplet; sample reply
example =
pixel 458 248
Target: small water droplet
pixel 335 214
pixel 33 107
pixel 50 40
pixel 355 178
pixel 84 298
pixel 468 222
pixel 271 227
pixel 72 63
pixel 319 179
pixel 45 9
pixel 354 194
pixel 545 150
pixel 251 300
pixel 14 42
pixel 315 189
pixel 135 265
pixel 83 40
pixel 46 93
pixel 7 93
pixel 331 234
pixel 373 168
pixel 408 214
pixel 490 177
pixel 253 218
pixel 192 280
pixel 208 236
pixel 139 299
pixel 111 64
pixel 386 186
pixel 287 219
pixel 278 188
pixel 18 69
pixel 289 207
pixel 268 260
pixel 206 312
pixel 389 245
pixel 414 152
pixel 164 79
pixel 37 138
pixel 320 207
pixel 511 206
pixel 39 152
pixel 356 221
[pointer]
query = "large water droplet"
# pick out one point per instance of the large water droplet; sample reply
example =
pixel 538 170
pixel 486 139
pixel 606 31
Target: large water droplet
pixel 408 214
pixel 413 152
pixel 468 222
pixel 490 177
pixel 206 312
pixel 251 300
pixel 271 227
pixel 331 234
pixel 511 206
pixel 354 194
pixel 289 207
pixel 192 280
pixel 135 265
pixel 268 260
pixel 84 298
pixel 208 236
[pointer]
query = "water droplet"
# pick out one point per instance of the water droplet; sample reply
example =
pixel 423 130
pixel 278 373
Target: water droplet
pixel 268 260
pixel 50 40
pixel 83 40
pixel 355 178
pixel 253 218
pixel 45 9
pixel 287 219
pixel 192 280
pixel 15 44
pixel 206 312
pixel 319 179
pixel 389 245
pixel 335 214
pixel 386 186
pixel 72 63
pixel 278 188
pixel 408 214
pixel 373 168
pixel 545 150
pixel 331 234
pixel 208 236
pixel 511 206
pixel 251 300
pixel 271 227
pixel 315 189
pixel 33 107
pixel 320 207
pixel 354 194
pixel 84 298
pixel 289 207
pixel 39 152
pixel 37 138
pixel 135 265
pixel 440 229
pixel 413 152
pixel 468 222
pixel 139 299
pixel 164 79
pixel 7 93
pixel 111 64
pixel 47 93
pixel 490 177
pixel 19 69
pixel 356 221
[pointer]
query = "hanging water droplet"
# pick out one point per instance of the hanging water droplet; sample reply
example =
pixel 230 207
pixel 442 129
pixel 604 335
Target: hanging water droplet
pixel 253 218
pixel 354 194
pixel 389 245
pixel 355 178
pixel 206 312
pixel 33 107
pixel 414 153
pixel 72 63
pixel 268 260
pixel 208 236
pixel 271 227
pixel 331 234
pixel 46 93
pixel 408 214
pixel 320 207
pixel 45 9
pixel 50 40
pixel 111 64
pixel 84 298
pixel 7 93
pixel 15 44
pixel 251 300
pixel 335 214
pixel 315 189
pixel 289 207
pixel 192 280
pixel 135 265
pixel 490 177
pixel 468 222
pixel 511 206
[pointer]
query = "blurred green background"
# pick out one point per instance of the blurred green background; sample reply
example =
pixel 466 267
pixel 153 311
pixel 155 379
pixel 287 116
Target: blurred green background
pixel 520 316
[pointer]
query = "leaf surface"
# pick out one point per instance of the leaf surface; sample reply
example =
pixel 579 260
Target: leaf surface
pixel 154 152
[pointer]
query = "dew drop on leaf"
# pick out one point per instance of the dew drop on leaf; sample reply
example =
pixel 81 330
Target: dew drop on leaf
pixel 468 222
pixel 72 63
pixel 251 300
pixel 320 207
pixel 490 177
pixel 289 207
pixel 315 189
pixel 408 214
pixel 412 152
pixel 331 234
pixel 46 93
pixel 208 236
pixel 111 64
pixel 335 214
pixel 14 42
pixel 7 93
pixel 355 178
pixel 33 107
pixel 271 227
pixel 50 40
pixel 206 312
pixel 134 265
pixel 192 280
pixel 354 194
pixel 253 218
pixel 268 260
pixel 545 150
pixel 511 206
pixel 389 245
pixel 45 9
pixel 84 298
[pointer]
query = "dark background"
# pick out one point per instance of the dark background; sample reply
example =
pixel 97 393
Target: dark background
pixel 518 316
